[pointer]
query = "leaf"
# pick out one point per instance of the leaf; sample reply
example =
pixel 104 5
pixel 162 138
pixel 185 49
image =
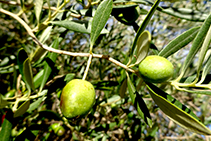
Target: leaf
pixel 126 13
pixel 38 78
pixel 183 13
pixel 38 8
pixel 100 18
pixel 22 109
pixel 36 104
pixel 206 70
pixel 204 49
pixel 22 56
pixel 81 26
pixel 27 73
pixel 47 68
pixel 179 42
pixel 3 102
pixel 177 111
pixel 138 102
pixel 123 89
pixel 40 52
pixel 143 45
pixel 69 77
pixel 196 45
pixel 144 25
pixel 6 127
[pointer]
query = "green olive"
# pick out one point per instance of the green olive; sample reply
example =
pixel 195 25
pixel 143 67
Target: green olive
pixel 58 129
pixel 156 69
pixel 77 98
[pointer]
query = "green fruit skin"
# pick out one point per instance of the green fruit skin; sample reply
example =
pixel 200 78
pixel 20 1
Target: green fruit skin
pixel 156 69
pixel 77 98
pixel 58 129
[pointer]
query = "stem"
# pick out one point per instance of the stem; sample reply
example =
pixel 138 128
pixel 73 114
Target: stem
pixel 87 67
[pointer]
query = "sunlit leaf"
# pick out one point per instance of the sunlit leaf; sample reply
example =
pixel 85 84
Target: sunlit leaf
pixel 36 103
pixel 179 42
pixel 177 111
pixel 78 26
pixel 38 78
pixel 196 45
pixel 203 50
pixel 143 45
pixel 144 24
pixel 100 18
pixel 38 8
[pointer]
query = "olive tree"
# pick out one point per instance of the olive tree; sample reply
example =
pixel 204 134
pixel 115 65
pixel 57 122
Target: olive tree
pixel 47 45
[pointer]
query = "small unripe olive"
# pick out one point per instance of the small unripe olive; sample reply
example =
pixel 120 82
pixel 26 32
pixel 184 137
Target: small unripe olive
pixel 156 69
pixel 58 129
pixel 77 98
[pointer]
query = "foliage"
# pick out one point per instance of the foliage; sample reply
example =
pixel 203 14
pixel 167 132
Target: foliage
pixel 45 44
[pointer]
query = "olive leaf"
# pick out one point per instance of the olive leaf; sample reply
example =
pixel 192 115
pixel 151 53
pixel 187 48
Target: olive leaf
pixel 179 42
pixel 3 102
pixel 144 25
pixel 123 88
pixel 27 71
pixel 143 45
pixel 47 68
pixel 6 127
pixel 204 49
pixel 196 45
pixel 38 9
pixel 177 111
pixel 22 109
pixel 138 102
pixel 82 26
pixel 206 70
pixel 100 18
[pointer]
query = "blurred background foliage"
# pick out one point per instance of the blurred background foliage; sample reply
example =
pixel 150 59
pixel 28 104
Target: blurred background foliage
pixel 113 117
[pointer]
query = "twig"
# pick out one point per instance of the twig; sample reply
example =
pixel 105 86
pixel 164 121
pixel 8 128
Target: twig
pixel 30 32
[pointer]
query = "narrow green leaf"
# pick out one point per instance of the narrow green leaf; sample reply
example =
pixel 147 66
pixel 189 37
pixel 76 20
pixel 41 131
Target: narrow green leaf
pixel 183 13
pixel 179 42
pixel 3 102
pixel 22 56
pixel 206 70
pixel 40 52
pixel 143 45
pixel 177 111
pixel 38 9
pixel 47 68
pixel 38 78
pixel 123 89
pixel 197 91
pixel 204 49
pixel 138 102
pixel 144 25
pixel 6 127
pixel 27 72
pixel 78 26
pixel 100 18
pixel 36 103
pixel 22 109
pixel 197 43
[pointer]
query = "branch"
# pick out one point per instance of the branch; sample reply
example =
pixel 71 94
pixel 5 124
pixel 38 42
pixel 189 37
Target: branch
pixel 30 32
